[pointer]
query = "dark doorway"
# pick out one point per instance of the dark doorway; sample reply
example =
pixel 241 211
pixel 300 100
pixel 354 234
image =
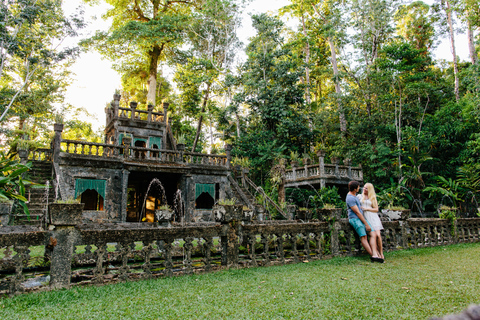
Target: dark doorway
pixel 142 206
pixel 92 200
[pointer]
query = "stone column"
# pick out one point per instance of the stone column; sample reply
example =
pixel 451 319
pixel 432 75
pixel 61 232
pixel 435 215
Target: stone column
pixel 321 162
pixel 123 209
pixel 228 150
pixel 23 154
pixel 150 110
pixel 231 229
pixel 116 105
pixel 62 240
pixel 57 139
pixel 165 110
pixel 190 198
pixel 335 227
pixel 403 237
pixel 133 107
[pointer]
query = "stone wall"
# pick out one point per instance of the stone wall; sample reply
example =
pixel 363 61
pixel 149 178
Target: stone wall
pixel 114 186
pixel 109 253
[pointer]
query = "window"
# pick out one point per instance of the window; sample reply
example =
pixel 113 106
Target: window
pixel 204 195
pixel 91 192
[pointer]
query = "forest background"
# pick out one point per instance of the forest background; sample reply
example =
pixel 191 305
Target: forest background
pixel 354 78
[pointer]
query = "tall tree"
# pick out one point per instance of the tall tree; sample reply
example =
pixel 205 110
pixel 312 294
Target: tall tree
pixel 445 10
pixel 213 40
pixel 329 16
pixel 31 34
pixel 144 29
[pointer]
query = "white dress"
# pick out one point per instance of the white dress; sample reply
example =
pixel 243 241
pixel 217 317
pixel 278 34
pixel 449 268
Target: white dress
pixel 372 217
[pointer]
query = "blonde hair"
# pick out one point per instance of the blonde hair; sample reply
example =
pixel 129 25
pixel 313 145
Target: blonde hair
pixel 371 194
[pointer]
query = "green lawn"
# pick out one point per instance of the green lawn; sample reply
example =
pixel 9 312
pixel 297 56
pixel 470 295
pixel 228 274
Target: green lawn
pixel 413 284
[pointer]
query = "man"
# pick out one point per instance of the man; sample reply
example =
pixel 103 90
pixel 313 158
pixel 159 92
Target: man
pixel 359 223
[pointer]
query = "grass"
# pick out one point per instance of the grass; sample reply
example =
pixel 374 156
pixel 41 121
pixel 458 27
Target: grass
pixel 413 284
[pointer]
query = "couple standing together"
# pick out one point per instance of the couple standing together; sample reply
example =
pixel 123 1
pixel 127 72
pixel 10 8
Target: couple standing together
pixel 362 215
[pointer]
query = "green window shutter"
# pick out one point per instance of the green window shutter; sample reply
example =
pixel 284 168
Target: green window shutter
pixel 94 184
pixel 155 140
pixel 205 187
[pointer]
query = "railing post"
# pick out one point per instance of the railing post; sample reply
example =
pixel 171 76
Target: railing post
pixel 403 233
pixel 133 107
pixel 116 105
pixel 123 212
pixel 231 229
pixel 58 128
pixel 62 240
pixel 165 110
pixel 334 225
pixel 150 109
pixel 228 150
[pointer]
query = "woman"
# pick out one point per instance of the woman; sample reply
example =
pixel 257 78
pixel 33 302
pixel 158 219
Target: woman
pixel 368 199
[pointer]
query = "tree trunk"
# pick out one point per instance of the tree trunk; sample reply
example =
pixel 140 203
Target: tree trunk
pixel 452 44
pixel 338 90
pixel 237 119
pixel 200 120
pixel 153 56
pixel 307 61
pixel 471 44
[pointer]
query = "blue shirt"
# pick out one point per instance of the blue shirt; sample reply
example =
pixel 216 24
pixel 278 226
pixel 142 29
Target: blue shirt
pixel 353 201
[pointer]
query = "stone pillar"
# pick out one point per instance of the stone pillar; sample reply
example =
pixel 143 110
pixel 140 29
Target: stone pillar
pixel 334 242
pixel 23 154
pixel 116 104
pixel 321 162
pixel 150 110
pixel 165 110
pixel 228 150
pixel 403 237
pixel 190 198
pixel 123 209
pixel 57 139
pixel 62 240
pixel 133 107
pixel 231 229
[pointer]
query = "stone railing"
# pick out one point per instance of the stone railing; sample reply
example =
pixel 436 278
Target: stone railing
pixel 137 153
pixel 40 154
pixel 136 114
pixel 69 256
pixel 324 171
pixel 90 148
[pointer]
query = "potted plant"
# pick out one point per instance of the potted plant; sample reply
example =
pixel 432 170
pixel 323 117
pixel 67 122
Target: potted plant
pixel 303 214
pixel 396 212
pixel 226 210
pixel 181 142
pixel 164 214
pixel 247 213
pixel 450 214
pixel 237 164
pixel 245 163
pixel 294 157
pixel 329 212
pixel 66 212
pixel 306 159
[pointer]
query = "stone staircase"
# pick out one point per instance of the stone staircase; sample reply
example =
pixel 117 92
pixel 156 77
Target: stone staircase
pixel 37 195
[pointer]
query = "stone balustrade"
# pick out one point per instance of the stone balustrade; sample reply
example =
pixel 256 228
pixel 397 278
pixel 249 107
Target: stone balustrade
pixel 40 154
pixel 116 112
pixel 324 171
pixel 109 253
pixel 91 149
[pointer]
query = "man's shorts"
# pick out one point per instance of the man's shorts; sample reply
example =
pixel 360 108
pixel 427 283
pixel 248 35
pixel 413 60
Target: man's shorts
pixel 359 227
